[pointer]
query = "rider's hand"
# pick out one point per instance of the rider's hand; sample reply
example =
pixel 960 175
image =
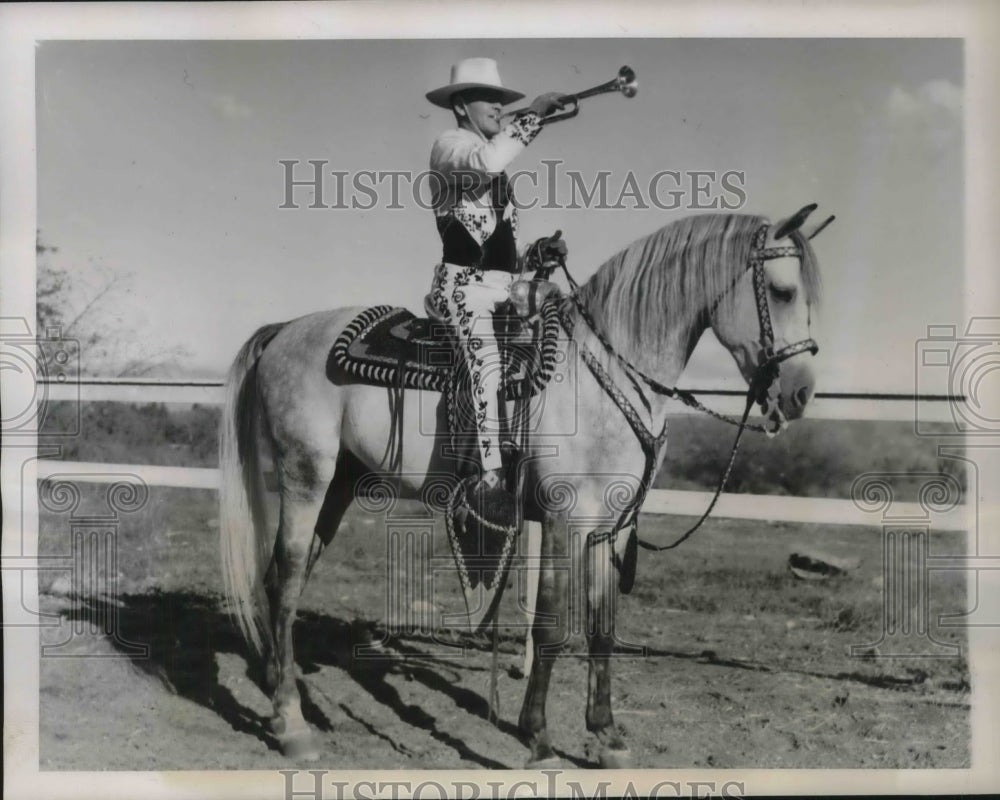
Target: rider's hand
pixel 549 252
pixel 545 104
pixel 554 248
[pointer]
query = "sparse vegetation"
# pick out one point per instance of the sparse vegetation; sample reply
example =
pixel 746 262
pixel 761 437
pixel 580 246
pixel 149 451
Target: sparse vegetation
pixel 85 302
pixel 744 662
pixel 813 458
pixel 132 433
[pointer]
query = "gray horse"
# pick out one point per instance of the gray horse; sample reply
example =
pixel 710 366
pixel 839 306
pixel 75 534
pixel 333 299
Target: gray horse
pixel 651 303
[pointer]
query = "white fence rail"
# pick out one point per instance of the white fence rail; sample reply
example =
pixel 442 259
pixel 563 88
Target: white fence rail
pixel 884 406
pixel 776 508
pixel 763 507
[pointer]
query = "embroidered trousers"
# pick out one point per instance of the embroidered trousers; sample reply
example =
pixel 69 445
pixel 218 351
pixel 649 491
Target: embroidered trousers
pixel 466 298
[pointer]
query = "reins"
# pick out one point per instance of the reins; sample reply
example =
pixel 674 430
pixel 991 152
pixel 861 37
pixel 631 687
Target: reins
pixel 674 392
pixel 761 388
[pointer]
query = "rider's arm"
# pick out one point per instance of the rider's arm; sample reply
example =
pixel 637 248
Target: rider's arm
pixel 459 150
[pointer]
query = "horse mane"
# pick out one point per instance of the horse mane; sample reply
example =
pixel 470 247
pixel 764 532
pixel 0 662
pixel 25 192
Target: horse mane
pixel 681 269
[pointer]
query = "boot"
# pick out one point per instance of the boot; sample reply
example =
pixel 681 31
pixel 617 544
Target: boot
pixel 492 479
pixel 489 502
pixel 486 526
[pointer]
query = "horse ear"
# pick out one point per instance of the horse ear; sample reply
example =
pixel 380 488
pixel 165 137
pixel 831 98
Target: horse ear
pixel 794 222
pixel 815 229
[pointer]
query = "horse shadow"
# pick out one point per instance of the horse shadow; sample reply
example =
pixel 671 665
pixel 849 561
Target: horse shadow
pixel 173 637
pixel 183 632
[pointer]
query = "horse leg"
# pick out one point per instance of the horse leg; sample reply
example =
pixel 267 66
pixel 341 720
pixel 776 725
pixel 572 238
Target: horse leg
pixel 339 496
pixel 546 638
pixel 613 753
pixel 301 507
pixel 533 550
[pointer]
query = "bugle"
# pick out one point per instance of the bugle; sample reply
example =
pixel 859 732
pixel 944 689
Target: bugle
pixel 625 82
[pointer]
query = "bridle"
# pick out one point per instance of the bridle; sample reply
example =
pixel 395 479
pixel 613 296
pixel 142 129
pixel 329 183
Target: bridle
pixel 769 360
pixel 764 386
pixel 766 373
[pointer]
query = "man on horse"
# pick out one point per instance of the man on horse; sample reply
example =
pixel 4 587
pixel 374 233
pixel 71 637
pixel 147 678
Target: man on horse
pixel 477 220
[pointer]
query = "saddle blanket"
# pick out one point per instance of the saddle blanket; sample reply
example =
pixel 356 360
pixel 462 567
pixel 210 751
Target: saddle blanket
pixel 390 346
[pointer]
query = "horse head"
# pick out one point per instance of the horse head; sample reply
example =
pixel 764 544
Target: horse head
pixel 764 320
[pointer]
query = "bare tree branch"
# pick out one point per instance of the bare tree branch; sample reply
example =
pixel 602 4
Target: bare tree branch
pixel 107 344
pixel 103 292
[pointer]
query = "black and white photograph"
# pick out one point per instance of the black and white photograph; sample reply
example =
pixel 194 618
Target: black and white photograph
pixel 499 400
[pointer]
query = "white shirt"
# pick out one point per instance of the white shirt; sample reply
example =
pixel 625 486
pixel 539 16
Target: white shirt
pixel 467 164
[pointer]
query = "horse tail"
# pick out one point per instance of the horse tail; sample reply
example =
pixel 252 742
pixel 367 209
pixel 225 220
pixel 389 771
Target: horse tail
pixel 243 534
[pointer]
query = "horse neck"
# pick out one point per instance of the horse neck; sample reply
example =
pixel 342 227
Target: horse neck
pixel 675 343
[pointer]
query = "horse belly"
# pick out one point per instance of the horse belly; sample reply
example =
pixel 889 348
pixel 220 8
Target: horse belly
pixel 370 430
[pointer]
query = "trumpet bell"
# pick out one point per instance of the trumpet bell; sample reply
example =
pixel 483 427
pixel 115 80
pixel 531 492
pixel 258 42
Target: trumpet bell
pixel 625 82
pixel 628 85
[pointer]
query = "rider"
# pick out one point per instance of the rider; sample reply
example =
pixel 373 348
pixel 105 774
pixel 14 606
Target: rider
pixel 477 221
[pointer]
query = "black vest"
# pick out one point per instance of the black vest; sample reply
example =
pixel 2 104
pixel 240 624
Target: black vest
pixel 499 251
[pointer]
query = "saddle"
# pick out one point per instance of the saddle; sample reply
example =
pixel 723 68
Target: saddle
pixel 391 347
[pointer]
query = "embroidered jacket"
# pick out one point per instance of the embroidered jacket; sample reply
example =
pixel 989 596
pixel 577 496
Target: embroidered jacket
pixel 474 207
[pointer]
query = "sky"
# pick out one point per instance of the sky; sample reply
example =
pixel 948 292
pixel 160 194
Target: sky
pixel 162 160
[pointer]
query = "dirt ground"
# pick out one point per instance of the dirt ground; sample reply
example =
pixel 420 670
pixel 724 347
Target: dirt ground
pixel 744 665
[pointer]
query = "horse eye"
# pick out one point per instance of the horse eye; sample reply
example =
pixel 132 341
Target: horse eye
pixel 782 295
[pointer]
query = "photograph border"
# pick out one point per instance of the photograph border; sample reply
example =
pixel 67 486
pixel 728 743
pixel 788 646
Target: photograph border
pixel 977 23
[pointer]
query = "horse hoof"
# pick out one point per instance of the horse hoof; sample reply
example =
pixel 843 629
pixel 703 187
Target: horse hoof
pixel 296 742
pixel 550 762
pixel 300 747
pixel 616 759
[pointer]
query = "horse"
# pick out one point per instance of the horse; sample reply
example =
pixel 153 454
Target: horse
pixel 632 326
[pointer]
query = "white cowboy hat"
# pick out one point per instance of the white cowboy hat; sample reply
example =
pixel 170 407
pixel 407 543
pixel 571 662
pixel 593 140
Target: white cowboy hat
pixel 473 73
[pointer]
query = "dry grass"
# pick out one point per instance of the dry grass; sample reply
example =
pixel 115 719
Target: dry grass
pixel 743 665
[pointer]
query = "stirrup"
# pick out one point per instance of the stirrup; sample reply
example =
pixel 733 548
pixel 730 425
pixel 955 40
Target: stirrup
pixel 492 479
pixel 492 508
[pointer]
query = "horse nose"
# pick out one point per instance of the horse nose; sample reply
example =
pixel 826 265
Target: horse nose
pixel 802 395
